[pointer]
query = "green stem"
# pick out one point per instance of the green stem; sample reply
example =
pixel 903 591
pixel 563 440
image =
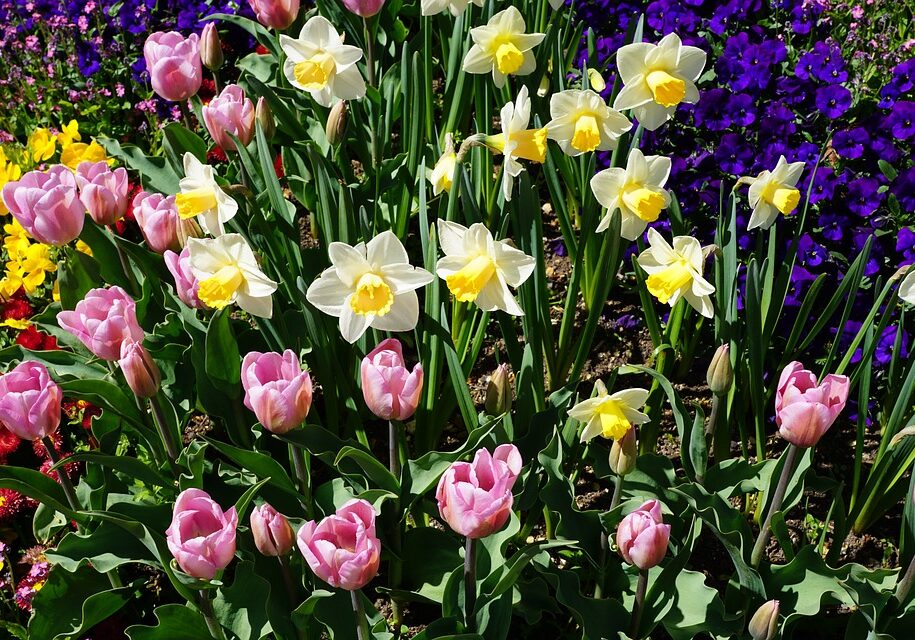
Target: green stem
pixel 760 547
pixel 125 265
pixel 206 608
pixel 363 632
pixel 394 448
pixel 168 437
pixel 301 462
pixel 470 583
pixel 640 590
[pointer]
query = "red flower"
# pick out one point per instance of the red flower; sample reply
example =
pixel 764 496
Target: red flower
pixel 36 340
pixel 72 468
pixel 278 166
pixel 17 309
pixel 11 503
pixel 42 452
pixel 261 50
pixel 9 442
pixel 216 155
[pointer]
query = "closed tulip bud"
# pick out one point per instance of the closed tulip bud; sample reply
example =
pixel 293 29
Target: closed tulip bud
pixel 642 537
pixel 158 219
pixel 276 14
pixel 390 390
pixel 764 623
pixel 231 112
pixel 336 123
pixel 343 549
pixel 139 369
pixel 720 374
pixel 211 47
pixel 173 62
pixel 364 8
pixel 102 320
pixel 102 191
pixel 201 536
pixel 273 536
pixel 277 390
pixel 30 401
pixel 623 454
pixel 804 410
pixel 499 392
pixel 264 116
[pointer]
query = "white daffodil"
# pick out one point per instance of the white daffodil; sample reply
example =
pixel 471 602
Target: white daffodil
pixel 677 271
pixel 370 285
pixel 656 78
pixel 582 121
pixel 637 191
pixel 907 286
pixel 479 269
pixel 773 191
pixel 456 7
pixel 517 141
pixel 228 273
pixel 610 416
pixel 202 198
pixel 318 62
pixel 502 47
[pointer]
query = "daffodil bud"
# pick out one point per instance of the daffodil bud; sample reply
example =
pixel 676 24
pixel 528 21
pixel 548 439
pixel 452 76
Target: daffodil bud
pixel 336 123
pixel 211 47
pixel 764 623
pixel 499 392
pixel 544 89
pixel 264 117
pixel 623 454
pixel 596 80
pixel 187 228
pixel 720 374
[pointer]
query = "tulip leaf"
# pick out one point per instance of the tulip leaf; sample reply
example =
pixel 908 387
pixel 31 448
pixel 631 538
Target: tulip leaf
pixel 374 470
pixel 240 607
pixel 263 466
pixel 175 622
pixel 106 548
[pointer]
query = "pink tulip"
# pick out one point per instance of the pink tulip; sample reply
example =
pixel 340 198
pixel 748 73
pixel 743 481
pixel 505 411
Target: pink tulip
pixel 201 536
pixel 804 411
pixel 364 8
pixel 276 389
pixel 173 62
pixel 276 14
pixel 140 370
pixel 102 321
pixel 29 401
pixel 642 537
pixel 102 191
pixel 157 217
pixel 390 390
pixel 343 549
pixel 475 498
pixel 211 47
pixel 273 536
pixel 186 284
pixel 47 205
pixel 230 112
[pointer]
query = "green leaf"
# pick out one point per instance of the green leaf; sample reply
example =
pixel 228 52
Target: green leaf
pixel 240 608
pixel 132 467
pixel 176 622
pixel 263 466
pixel 427 573
pixel 223 364
pixel 375 471
pixel 106 548
pixel 37 485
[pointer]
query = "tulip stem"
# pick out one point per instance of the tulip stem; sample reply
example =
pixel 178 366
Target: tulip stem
pixel 62 476
pixel 287 579
pixel 787 469
pixel 125 264
pixel 168 438
pixel 206 608
pixel 905 585
pixel 470 583
pixel 185 114
pixel 640 590
pixel 363 632
pixel 302 464
pixel 394 448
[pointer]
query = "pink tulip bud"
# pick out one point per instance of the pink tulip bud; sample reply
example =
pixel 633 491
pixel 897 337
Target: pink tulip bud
pixel 102 321
pixel 139 369
pixel 273 536
pixel 29 401
pixel 186 283
pixel 364 8
pixel 201 536
pixel 642 537
pixel 173 62
pixel 47 205
pixel 210 47
pixel 102 191
pixel 764 623
pixel 475 498
pixel 804 411
pixel 277 390
pixel 390 390
pixel 157 217
pixel 230 112
pixel 276 14
pixel 343 549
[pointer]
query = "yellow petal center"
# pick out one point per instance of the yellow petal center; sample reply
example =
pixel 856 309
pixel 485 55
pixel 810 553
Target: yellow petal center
pixel 785 199
pixel 664 284
pixel 531 144
pixel 219 290
pixel 316 72
pixel 509 57
pixel 373 295
pixel 613 421
pixel 467 283
pixel 667 90
pixel 645 203
pixel 587 133
pixel 193 203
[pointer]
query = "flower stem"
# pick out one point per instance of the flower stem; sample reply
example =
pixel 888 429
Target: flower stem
pixel 363 632
pixel 394 448
pixel 760 547
pixel 62 476
pixel 168 438
pixel 370 69
pixel 905 585
pixel 640 590
pixel 125 264
pixel 470 583
pixel 206 608
pixel 605 539
pixel 302 465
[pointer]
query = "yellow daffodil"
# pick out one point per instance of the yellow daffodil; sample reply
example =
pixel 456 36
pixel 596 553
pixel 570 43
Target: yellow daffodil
pixel 202 198
pixel 582 122
pixel 228 273
pixel 517 141
pixel 318 62
pixel 676 271
pixel 637 191
pixel 610 416
pixel 370 285
pixel 502 47
pixel 456 7
pixel 69 133
pixel 656 78
pixel 772 192
pixel 479 269
pixel 42 144
pixel 76 152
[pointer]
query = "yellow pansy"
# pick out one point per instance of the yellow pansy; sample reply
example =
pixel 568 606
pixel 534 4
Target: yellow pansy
pixel 9 172
pixel 42 144
pixel 69 133
pixel 17 239
pixel 19 325
pixel 9 285
pixel 77 152
pixel 35 264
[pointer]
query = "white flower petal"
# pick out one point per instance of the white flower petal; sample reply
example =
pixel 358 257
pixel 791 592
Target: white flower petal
pixel 403 315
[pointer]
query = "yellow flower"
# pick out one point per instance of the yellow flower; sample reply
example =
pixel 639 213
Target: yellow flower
pixel 610 416
pixel 19 325
pixel 77 152
pixel 69 133
pixel 9 285
pixel 35 263
pixel 9 172
pixel 55 292
pixel 82 247
pixel 42 144
pixel 16 241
